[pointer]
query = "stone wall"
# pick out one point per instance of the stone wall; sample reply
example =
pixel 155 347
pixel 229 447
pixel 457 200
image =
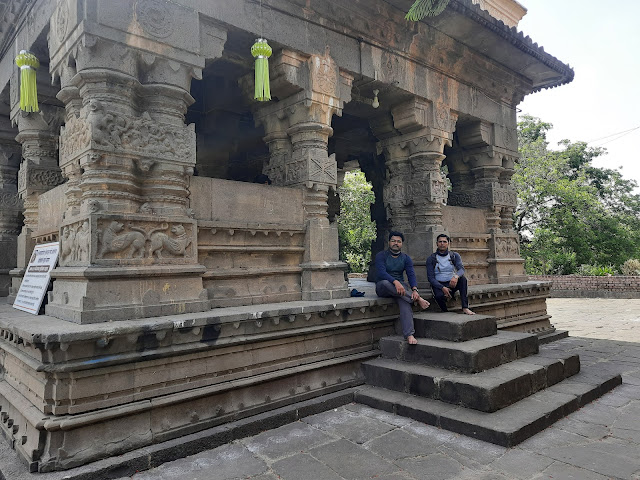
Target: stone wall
pixel 250 239
pixel 587 286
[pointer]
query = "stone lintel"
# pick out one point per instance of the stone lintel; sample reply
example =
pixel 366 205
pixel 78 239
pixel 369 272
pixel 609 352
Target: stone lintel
pixel 159 29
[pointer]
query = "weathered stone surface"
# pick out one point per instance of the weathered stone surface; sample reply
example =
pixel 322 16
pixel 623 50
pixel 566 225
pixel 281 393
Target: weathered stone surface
pixel 470 356
pixel 343 456
pixel 486 391
pixel 507 427
pixel 453 327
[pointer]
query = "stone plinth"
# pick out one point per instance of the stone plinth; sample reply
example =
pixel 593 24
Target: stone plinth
pixel 72 393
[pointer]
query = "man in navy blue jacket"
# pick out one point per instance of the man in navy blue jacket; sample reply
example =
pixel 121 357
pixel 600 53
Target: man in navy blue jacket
pixel 391 265
pixel 446 275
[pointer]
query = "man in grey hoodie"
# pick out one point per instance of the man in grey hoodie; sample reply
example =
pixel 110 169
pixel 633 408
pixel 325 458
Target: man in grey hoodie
pixel 446 275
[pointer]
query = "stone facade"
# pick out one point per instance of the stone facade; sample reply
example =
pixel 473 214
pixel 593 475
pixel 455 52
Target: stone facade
pixel 187 296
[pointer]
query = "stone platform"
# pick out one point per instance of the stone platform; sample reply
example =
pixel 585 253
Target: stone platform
pixel 72 394
pixel 465 376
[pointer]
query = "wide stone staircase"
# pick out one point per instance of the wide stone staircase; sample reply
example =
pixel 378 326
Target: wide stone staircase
pixel 466 377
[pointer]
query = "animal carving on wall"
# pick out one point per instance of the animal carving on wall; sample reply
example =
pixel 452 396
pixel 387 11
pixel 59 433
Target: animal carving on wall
pixel 138 242
pixel 112 241
pixel 176 245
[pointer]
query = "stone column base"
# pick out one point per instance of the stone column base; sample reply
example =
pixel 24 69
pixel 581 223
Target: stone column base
pixel 16 280
pixel 506 270
pixel 5 282
pixel 102 294
pixel 324 281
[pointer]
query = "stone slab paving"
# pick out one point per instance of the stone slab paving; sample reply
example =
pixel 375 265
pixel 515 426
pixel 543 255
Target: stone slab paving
pixel 600 441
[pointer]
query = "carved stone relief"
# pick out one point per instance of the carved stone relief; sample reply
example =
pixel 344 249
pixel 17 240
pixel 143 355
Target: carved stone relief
pixel 154 17
pixel 324 74
pixel 485 197
pixel 126 134
pixel 125 241
pixel 507 247
pixel 10 200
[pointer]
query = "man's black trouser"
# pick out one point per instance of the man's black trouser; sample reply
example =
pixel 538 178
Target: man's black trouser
pixel 461 286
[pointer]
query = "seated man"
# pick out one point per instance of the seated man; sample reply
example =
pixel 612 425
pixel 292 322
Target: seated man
pixel 391 266
pixel 446 275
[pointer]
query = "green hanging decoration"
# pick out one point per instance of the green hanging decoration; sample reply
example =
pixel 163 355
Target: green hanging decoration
pixel 262 51
pixel 28 64
pixel 426 8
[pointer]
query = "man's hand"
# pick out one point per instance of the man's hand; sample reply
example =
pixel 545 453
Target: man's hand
pixel 415 296
pixel 454 281
pixel 447 292
pixel 399 288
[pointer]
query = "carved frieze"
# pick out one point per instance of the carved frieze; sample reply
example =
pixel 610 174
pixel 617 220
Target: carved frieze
pixel 506 247
pixel 432 189
pixel 128 135
pixel 490 196
pixel 31 177
pixel 323 169
pixel 324 75
pixel 75 138
pixel 74 243
pixel 131 240
pixel 154 17
pixel 10 200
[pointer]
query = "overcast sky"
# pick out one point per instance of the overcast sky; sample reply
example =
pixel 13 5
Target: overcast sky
pixel 601 41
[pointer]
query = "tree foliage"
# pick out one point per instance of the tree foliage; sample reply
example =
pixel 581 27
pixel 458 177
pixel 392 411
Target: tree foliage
pixel 356 230
pixel 569 212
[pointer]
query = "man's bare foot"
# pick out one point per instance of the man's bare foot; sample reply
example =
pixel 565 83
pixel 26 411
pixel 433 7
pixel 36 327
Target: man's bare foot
pixel 423 303
pixel 411 340
pixel 468 312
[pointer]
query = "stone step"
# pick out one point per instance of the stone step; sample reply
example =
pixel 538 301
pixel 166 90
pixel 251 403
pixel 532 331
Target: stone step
pixel 469 356
pixel 506 427
pixel 453 326
pixel 486 391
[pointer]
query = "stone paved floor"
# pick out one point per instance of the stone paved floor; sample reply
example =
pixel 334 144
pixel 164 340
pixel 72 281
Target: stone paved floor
pixel 600 441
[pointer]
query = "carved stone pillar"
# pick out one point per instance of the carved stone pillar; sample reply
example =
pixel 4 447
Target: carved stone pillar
pixel 490 167
pixel 415 190
pixel 128 243
pixel 39 171
pixel 311 90
pixel 10 204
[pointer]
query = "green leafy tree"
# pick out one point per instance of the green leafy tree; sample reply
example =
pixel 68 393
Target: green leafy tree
pixel 355 228
pixel 569 212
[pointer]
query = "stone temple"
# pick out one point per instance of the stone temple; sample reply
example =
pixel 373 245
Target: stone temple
pixel 187 296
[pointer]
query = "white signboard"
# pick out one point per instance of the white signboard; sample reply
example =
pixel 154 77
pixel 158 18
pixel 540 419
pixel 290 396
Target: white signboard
pixel 36 278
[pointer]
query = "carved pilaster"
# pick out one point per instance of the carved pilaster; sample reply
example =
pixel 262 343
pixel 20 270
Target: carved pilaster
pixel 481 178
pixel 10 204
pixel 128 244
pixel 39 172
pixel 311 89
pixel 415 190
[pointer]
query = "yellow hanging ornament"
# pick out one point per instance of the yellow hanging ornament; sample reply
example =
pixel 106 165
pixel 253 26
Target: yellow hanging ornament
pixel 262 51
pixel 28 64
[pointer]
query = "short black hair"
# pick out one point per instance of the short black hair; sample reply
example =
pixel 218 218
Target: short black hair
pixel 443 235
pixel 393 233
